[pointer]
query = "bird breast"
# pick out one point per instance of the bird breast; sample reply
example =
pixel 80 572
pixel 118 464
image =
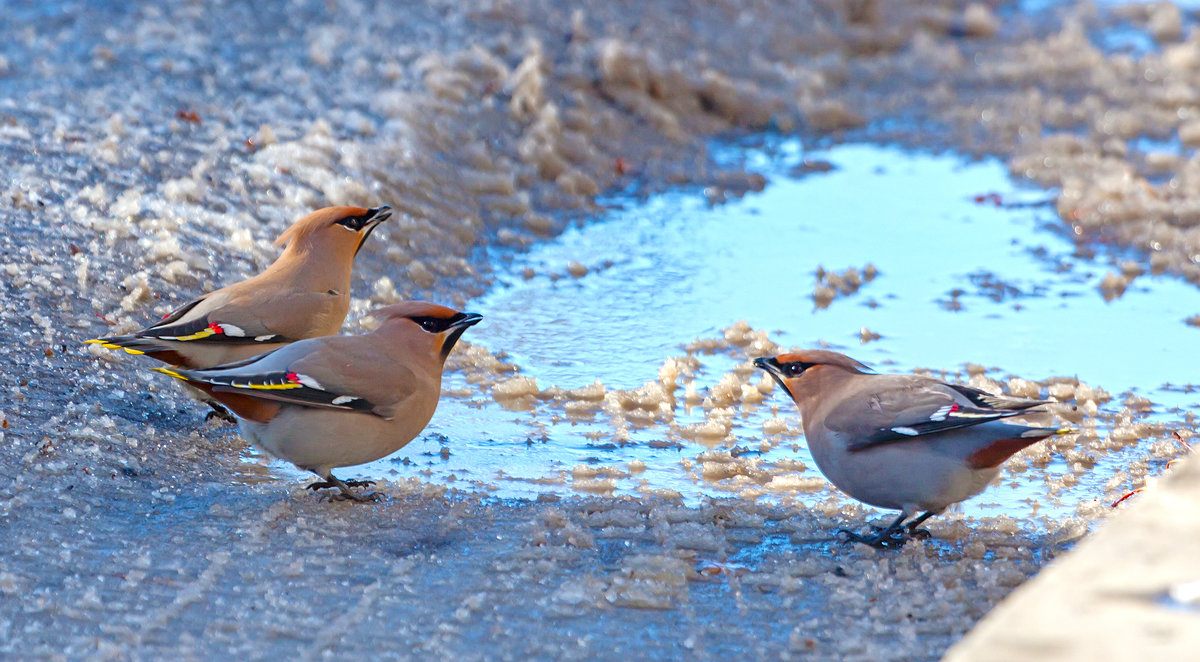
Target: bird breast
pixel 922 473
pixel 322 439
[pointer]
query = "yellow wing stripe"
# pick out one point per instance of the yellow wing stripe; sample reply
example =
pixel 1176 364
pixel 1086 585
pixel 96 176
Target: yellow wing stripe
pixel 261 387
pixel 202 333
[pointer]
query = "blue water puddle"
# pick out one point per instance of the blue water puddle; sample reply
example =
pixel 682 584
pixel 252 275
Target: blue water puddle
pixel 971 267
pixel 1126 39
pixel 1118 35
pixel 683 270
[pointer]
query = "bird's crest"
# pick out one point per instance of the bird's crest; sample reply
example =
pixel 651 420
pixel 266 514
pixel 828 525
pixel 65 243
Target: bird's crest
pixel 316 221
pixel 822 357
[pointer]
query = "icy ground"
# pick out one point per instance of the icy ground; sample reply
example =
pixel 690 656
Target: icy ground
pixel 153 151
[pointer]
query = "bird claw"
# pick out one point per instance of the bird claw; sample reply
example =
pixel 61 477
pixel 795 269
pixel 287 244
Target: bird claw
pixel 328 484
pixel 846 536
pixel 219 412
pixel 921 534
pixel 883 539
pixel 877 540
pixel 344 492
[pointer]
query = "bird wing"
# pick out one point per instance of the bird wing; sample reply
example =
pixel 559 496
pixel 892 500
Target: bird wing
pixel 330 373
pixel 887 411
pixel 177 314
pixel 249 318
pixel 214 318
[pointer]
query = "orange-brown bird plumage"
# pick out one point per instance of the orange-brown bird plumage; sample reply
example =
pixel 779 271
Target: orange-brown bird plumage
pixel 339 401
pixel 305 293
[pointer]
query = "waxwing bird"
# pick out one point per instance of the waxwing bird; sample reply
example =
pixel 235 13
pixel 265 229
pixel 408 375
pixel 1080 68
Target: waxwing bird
pixel 305 293
pixel 902 442
pixel 339 401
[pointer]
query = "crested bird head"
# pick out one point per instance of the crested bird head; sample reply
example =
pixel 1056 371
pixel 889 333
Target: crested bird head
pixel 437 327
pixel 793 369
pixel 341 230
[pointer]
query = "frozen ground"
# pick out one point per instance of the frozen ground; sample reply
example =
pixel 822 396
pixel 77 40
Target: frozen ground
pixel 154 151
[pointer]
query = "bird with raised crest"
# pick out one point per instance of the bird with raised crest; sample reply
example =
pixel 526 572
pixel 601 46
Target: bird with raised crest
pixel 305 293
pixel 900 442
pixel 340 401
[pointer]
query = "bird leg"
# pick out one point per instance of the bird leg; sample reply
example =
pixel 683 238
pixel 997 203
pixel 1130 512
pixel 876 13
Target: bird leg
pixel 894 535
pixel 326 484
pixel 914 532
pixel 346 493
pixel 219 411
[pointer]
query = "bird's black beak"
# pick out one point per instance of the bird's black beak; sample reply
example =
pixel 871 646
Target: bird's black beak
pixel 458 325
pixel 769 364
pixel 772 368
pixel 464 320
pixel 370 221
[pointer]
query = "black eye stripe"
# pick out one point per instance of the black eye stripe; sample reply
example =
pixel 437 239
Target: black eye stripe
pixel 436 324
pixel 354 222
pixel 797 367
pixel 430 324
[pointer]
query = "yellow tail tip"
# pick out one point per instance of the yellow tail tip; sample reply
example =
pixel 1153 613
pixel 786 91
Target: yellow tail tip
pixel 113 346
pixel 1066 431
pixel 172 373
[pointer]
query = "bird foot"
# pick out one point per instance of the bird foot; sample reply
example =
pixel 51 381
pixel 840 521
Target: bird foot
pixel 345 493
pixel 220 412
pixel 327 484
pixel 921 534
pixel 883 538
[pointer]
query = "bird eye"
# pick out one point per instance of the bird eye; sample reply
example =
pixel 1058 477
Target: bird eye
pixel 795 369
pixel 429 324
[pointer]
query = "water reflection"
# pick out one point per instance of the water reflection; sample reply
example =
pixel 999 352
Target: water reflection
pixel 930 224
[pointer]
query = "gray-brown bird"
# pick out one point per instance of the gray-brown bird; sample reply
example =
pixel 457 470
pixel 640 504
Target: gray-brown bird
pixel 339 401
pixel 305 293
pixel 901 442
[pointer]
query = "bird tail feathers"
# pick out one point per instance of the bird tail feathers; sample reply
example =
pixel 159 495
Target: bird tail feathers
pixel 130 344
pixel 141 346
